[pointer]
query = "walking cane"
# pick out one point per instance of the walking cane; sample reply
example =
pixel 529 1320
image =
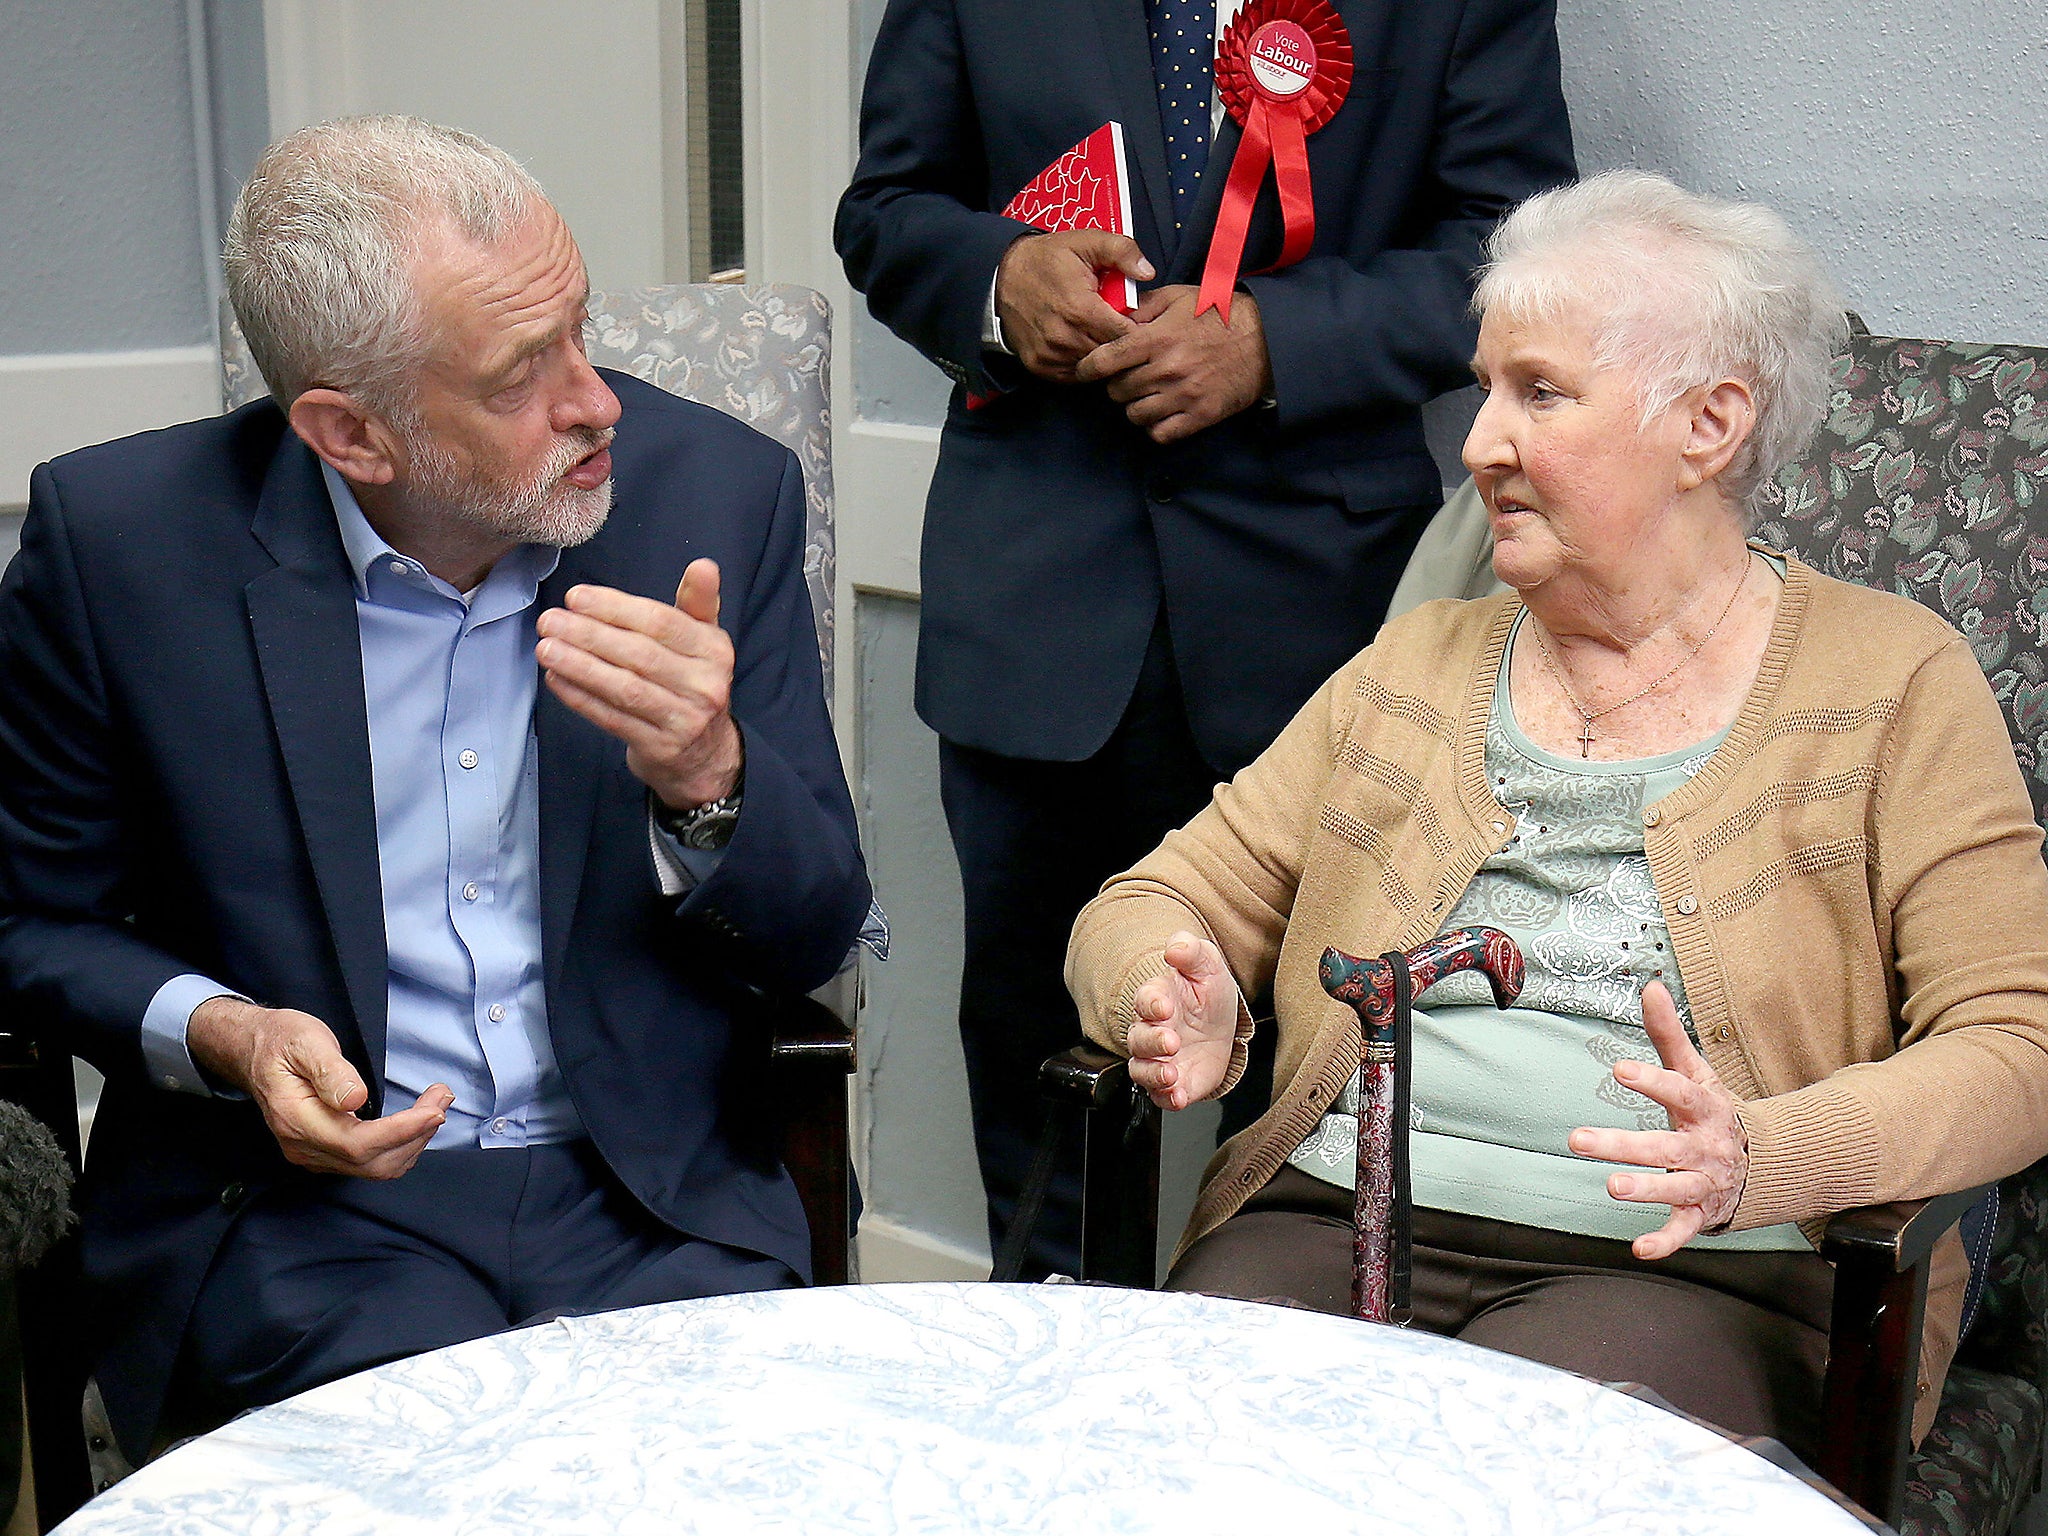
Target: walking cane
pixel 1382 991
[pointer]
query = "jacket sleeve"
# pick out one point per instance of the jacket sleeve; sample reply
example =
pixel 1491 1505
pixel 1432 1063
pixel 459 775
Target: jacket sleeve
pixel 1959 882
pixel 912 228
pixel 786 901
pixel 70 965
pixel 1230 874
pixel 1344 338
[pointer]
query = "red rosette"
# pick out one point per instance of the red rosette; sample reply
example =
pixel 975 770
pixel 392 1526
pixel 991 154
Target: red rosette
pixel 1283 68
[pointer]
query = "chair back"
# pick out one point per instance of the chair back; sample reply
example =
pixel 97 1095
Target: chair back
pixel 760 353
pixel 1929 478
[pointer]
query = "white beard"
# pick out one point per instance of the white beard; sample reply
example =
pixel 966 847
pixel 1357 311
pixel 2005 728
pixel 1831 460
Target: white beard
pixel 543 510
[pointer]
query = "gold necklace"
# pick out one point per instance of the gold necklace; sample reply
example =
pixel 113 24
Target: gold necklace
pixel 1586 716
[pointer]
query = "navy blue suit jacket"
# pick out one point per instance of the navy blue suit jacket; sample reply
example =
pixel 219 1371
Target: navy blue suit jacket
pixel 1055 529
pixel 185 786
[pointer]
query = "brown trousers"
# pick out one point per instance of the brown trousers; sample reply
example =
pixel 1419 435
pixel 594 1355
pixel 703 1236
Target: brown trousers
pixel 1739 1339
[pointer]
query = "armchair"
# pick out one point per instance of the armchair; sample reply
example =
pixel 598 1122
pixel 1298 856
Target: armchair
pixel 1924 480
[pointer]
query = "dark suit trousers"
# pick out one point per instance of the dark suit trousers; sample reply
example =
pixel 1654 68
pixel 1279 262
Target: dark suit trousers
pixel 329 1276
pixel 1738 1339
pixel 1035 842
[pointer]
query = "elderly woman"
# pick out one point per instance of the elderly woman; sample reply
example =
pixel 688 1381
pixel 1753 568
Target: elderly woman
pixel 1759 834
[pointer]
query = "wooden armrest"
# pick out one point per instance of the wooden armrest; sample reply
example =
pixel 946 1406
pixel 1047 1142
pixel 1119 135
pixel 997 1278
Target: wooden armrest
pixel 805 1030
pixel 1897 1236
pixel 1087 1076
pixel 1880 1255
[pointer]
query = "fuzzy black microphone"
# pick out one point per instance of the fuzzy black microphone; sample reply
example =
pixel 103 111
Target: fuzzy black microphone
pixel 35 1189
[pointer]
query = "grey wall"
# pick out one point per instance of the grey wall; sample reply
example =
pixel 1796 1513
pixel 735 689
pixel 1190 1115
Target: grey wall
pixel 1906 141
pixel 105 182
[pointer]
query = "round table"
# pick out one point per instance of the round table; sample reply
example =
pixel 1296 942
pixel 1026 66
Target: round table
pixel 960 1408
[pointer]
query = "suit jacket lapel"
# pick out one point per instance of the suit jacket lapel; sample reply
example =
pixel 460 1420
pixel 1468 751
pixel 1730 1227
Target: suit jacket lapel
pixel 1126 53
pixel 303 616
pixel 574 757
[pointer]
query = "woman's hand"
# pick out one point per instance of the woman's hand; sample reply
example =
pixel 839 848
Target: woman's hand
pixel 1705 1151
pixel 1187 1025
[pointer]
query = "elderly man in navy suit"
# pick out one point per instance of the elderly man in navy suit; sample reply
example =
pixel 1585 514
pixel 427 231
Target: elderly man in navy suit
pixel 400 781
pixel 1162 531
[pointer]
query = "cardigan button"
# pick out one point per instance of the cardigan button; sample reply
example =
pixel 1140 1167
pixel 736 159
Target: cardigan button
pixel 1725 1032
pixel 1651 816
pixel 1687 905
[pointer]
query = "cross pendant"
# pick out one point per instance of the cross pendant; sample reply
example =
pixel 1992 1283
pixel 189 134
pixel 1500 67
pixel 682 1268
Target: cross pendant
pixel 1586 737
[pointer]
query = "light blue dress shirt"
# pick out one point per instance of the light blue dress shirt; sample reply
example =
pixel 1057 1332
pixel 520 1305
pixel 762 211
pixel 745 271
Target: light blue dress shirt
pixel 449 681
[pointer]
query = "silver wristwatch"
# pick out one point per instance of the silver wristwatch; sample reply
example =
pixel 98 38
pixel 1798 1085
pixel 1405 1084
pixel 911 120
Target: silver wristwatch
pixel 707 826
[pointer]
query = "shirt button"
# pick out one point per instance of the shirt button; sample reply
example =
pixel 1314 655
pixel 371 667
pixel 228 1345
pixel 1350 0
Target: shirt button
pixel 398 567
pixel 470 892
pixel 1651 816
pixel 1687 905
pixel 170 1080
pixel 468 759
pixel 501 1126
pixel 497 1013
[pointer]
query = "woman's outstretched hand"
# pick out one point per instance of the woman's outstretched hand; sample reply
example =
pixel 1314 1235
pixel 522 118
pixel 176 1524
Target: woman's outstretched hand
pixel 1186 1027
pixel 1705 1152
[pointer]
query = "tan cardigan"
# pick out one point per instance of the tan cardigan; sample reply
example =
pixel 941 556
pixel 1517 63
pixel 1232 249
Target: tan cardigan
pixel 1853 883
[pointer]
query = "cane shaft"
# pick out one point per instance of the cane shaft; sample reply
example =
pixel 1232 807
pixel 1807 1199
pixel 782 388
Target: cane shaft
pixel 1372 1211
pixel 1401 1235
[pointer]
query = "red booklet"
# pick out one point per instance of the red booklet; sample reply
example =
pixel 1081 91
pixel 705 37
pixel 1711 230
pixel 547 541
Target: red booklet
pixel 1086 188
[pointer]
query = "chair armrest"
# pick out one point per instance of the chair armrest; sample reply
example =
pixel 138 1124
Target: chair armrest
pixel 811 1052
pixel 1120 1163
pixel 806 1031
pixel 1087 1076
pixel 1880 1254
pixel 1899 1235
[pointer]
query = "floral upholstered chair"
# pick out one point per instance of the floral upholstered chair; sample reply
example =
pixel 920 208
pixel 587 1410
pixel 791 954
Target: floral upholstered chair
pixel 1930 479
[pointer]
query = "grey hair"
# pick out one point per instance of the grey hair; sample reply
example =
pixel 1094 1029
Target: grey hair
pixel 1686 290
pixel 322 243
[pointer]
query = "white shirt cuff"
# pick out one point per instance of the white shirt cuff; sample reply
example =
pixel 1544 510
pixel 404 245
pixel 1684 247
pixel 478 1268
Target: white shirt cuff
pixel 164 1023
pixel 991 322
pixel 679 869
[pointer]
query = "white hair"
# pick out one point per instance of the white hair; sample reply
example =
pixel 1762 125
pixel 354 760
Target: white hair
pixel 322 243
pixel 1686 291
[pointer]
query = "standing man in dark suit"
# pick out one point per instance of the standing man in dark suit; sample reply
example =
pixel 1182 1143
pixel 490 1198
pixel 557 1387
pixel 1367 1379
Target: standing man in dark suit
pixel 1164 530
pixel 413 980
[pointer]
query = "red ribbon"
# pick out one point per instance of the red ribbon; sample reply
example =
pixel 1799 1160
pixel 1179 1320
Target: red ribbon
pixel 1283 69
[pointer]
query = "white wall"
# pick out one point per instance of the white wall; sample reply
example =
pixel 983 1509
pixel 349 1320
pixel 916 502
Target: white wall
pixel 120 127
pixel 574 88
pixel 1908 141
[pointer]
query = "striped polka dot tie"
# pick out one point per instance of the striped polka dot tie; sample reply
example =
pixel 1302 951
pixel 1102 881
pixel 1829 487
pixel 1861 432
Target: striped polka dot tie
pixel 1184 64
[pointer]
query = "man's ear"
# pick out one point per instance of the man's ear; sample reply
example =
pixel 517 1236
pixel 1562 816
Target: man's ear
pixel 334 424
pixel 1723 416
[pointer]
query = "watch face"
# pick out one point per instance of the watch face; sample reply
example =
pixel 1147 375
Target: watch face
pixel 711 827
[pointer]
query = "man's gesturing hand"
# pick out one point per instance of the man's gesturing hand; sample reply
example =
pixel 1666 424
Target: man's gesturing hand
pixel 1176 372
pixel 658 678
pixel 291 1065
pixel 1186 1027
pixel 1049 297
pixel 1705 1149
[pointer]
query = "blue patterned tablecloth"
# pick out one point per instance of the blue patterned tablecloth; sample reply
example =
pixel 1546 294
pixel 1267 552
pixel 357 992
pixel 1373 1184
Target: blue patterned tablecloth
pixel 960 1408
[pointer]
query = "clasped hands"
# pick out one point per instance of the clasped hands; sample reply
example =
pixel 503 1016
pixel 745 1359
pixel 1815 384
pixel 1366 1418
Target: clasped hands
pixel 656 677
pixel 1174 372
pixel 1186 1027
